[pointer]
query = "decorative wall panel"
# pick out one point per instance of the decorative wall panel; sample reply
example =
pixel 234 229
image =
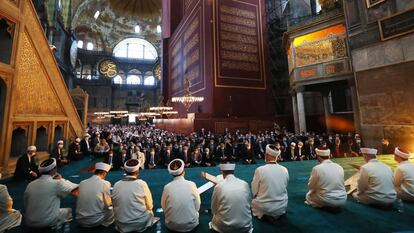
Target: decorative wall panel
pixel 187 54
pixel 34 93
pixel 238 39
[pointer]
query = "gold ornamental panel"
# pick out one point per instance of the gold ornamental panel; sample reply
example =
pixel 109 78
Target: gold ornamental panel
pixel 320 51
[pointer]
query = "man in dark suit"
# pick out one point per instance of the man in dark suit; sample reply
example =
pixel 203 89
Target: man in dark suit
pixel 310 149
pixel 74 151
pixel 247 154
pixel 57 153
pixel 85 145
pixel 26 168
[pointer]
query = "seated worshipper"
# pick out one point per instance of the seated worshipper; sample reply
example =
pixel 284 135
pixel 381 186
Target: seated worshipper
pixel 167 156
pixel 94 203
pixel 26 166
pixel 300 152
pixel 326 183
pixel 9 217
pixel 248 154
pixel 57 153
pixel 375 184
pixel 74 151
pixel 101 148
pixel 42 198
pixel 269 188
pixel 86 147
pixel 222 154
pixel 152 159
pixel 351 150
pixel 404 175
pixel 208 160
pixel 180 200
pixel 132 201
pixel 230 204
pixel 310 149
pixel 186 157
pixel 119 159
pixel 291 153
pixel 109 158
pixel 197 158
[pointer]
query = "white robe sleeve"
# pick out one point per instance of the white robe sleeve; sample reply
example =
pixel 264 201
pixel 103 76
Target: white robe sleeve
pixel 197 200
pixel 65 187
pixel 164 199
pixel 363 181
pixel 256 183
pixel 215 202
pixel 398 177
pixel 313 181
pixel 148 197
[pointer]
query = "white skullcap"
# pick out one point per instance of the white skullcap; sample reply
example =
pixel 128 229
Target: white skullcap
pixel 60 142
pixel 77 140
pixel 323 153
pixel 103 166
pixel 31 148
pixel 177 172
pixel 401 154
pixel 132 165
pixel 369 151
pixel 227 166
pixel 293 144
pixel 43 168
pixel 272 151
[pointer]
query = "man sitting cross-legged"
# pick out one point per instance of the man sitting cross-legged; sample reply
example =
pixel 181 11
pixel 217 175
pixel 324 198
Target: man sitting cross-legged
pixel 326 183
pixel 269 187
pixel 180 200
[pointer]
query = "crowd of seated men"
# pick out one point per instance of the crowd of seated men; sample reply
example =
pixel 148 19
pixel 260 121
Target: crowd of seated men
pixel 156 148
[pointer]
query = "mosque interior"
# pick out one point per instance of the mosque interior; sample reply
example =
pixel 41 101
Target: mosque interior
pixel 309 66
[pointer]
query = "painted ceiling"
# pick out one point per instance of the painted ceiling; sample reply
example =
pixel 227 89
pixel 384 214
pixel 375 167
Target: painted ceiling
pixel 117 20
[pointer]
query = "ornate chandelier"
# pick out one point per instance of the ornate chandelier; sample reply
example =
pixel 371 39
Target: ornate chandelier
pixel 188 99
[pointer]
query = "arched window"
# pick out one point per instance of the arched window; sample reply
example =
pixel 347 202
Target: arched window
pixel 149 80
pixel 133 79
pixel 135 48
pixel 118 79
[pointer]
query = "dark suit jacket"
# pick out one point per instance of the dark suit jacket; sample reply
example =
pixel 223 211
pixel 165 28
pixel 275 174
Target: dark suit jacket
pixel 24 167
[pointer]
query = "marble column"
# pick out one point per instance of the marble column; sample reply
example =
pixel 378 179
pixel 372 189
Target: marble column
pixel 295 113
pixel 301 111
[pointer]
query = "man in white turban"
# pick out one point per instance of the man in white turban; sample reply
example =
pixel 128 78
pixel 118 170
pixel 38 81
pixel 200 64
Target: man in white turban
pixel 326 183
pixel 375 184
pixel 42 198
pixel 230 203
pixel 9 217
pixel 132 201
pixel 269 187
pixel 180 200
pixel 404 175
pixel 94 203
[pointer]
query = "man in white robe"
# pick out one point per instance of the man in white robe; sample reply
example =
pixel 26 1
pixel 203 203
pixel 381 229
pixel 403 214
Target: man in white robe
pixel 94 203
pixel 326 183
pixel 375 185
pixel 180 200
pixel 42 198
pixel 230 204
pixel 269 188
pixel 404 175
pixel 132 201
pixel 9 217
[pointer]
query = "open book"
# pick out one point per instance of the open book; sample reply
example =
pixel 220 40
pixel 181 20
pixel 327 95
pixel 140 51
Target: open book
pixel 352 182
pixel 212 181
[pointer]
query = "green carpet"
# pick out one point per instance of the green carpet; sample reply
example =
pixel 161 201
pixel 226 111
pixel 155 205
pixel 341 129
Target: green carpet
pixel 300 217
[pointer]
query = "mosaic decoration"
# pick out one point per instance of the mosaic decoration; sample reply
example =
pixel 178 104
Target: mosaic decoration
pixel 320 51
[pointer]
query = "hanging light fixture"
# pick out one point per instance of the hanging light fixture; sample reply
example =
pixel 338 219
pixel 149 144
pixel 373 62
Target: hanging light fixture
pixel 188 99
